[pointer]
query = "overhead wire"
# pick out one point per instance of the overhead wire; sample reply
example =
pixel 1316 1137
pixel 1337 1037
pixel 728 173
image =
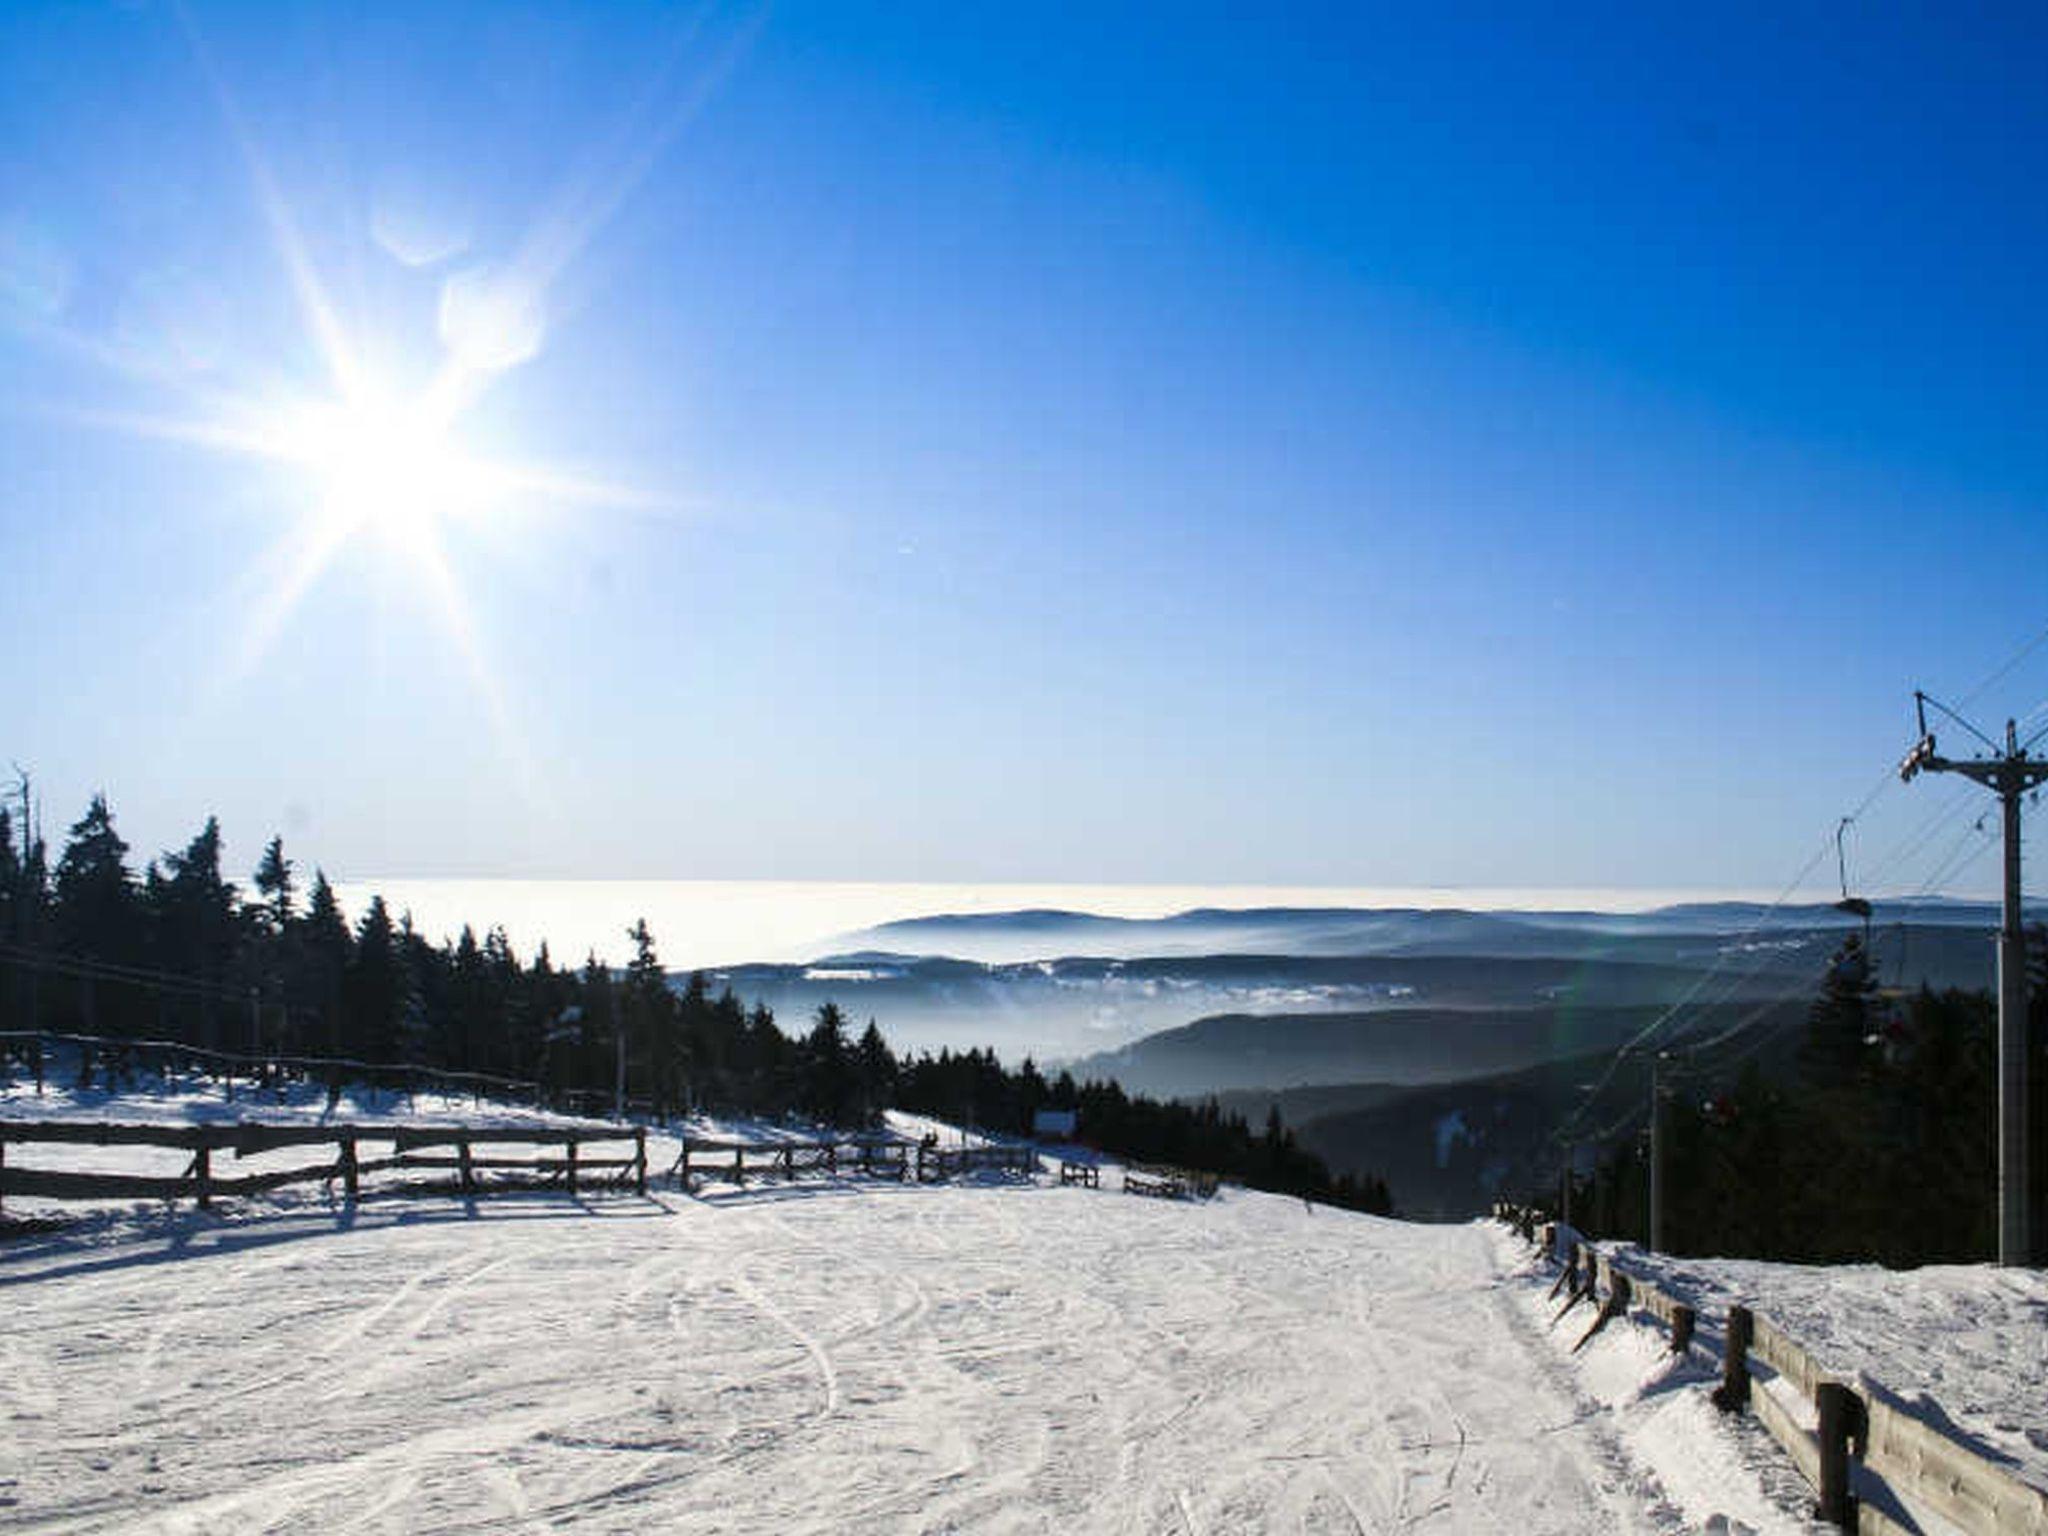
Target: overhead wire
pixel 1946 868
pixel 1642 1036
pixel 2004 669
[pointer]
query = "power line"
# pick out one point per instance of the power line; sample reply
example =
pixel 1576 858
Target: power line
pixel 1643 1035
pixel 2004 669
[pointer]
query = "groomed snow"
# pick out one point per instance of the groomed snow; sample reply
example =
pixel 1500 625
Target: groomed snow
pixel 816 1357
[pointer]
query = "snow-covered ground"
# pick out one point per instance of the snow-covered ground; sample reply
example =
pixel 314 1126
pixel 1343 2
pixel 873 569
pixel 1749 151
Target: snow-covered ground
pixel 1973 1339
pixel 828 1356
pixel 837 1354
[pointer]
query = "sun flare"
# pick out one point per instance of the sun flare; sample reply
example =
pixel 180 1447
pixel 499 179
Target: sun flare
pixel 381 465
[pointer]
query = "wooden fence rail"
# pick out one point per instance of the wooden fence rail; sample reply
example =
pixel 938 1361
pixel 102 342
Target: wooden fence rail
pixel 871 1157
pixel 1168 1183
pixel 738 1161
pixel 409 1149
pixel 1830 1427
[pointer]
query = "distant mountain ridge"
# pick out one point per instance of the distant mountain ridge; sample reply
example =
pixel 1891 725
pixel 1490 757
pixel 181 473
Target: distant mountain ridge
pixel 1075 1006
pixel 1051 933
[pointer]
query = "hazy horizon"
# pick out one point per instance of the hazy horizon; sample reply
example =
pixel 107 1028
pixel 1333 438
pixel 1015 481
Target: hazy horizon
pixel 715 923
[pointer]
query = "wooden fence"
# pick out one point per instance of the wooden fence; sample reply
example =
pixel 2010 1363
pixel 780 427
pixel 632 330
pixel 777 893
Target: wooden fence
pixel 1870 1458
pixel 871 1157
pixel 739 1160
pixel 434 1147
pixel 1168 1183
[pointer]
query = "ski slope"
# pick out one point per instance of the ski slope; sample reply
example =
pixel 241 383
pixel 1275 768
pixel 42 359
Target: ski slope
pixel 809 1358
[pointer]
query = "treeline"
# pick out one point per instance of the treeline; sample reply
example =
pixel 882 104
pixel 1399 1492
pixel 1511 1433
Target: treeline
pixel 1874 1139
pixel 180 952
pixel 973 1088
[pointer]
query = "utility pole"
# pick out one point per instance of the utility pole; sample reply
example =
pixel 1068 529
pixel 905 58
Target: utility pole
pixel 1657 1153
pixel 2008 773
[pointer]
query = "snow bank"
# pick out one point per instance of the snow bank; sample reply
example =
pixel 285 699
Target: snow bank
pixel 1972 1340
pixel 1717 1473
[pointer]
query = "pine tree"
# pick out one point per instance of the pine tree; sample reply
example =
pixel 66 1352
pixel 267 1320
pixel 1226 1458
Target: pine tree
pixel 96 910
pixel 828 1084
pixel 875 1073
pixel 1839 1022
pixel 195 918
pixel 274 885
pixel 328 956
pixel 650 1020
pixel 375 987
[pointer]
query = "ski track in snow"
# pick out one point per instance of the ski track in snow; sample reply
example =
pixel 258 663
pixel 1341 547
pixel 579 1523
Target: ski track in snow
pixel 817 1357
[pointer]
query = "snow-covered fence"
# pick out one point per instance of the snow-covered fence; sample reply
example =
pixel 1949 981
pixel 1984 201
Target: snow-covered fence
pixel 1081 1173
pixel 872 1156
pixel 1831 1428
pixel 411 1147
pixel 736 1161
pixel 934 1163
pixel 1168 1183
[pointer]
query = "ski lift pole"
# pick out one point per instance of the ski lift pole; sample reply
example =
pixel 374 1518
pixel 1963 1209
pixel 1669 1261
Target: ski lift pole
pixel 1655 1242
pixel 2009 774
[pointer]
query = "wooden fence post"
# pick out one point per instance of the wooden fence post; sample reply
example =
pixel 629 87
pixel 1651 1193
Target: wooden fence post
pixel 739 1165
pixel 1570 1272
pixel 1683 1321
pixel 202 1173
pixel 640 1159
pixel 1733 1393
pixel 464 1171
pixel 1841 1420
pixel 569 1162
pixel 349 1168
pixel 3 1176
pixel 1616 1306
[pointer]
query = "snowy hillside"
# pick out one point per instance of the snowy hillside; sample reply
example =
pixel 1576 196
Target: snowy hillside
pixel 824 1357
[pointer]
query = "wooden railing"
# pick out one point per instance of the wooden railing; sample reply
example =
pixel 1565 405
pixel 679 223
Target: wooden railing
pixel 1871 1459
pixel 738 1161
pixel 1167 1182
pixel 872 1157
pixel 411 1147
pixel 934 1163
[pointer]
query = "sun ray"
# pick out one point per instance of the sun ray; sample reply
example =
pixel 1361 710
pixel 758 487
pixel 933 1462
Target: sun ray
pixel 298 563
pixel 386 465
pixel 325 327
pixel 451 604
pixel 585 205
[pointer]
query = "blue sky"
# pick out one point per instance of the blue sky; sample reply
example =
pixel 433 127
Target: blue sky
pixel 1153 443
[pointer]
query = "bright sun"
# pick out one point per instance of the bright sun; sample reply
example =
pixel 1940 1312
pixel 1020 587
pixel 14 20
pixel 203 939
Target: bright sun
pixel 384 465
